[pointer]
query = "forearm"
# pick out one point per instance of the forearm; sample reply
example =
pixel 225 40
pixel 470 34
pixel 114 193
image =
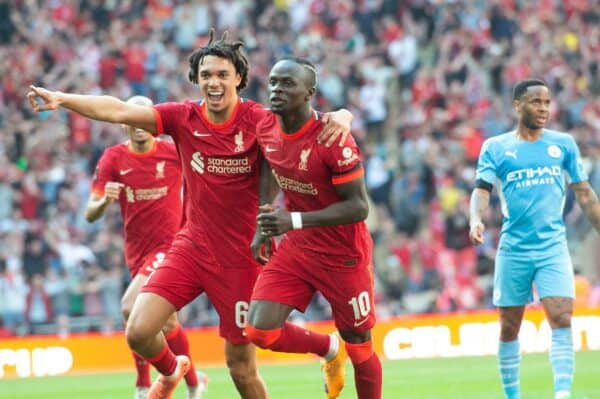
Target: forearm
pixel 101 108
pixel 95 209
pixel 480 200
pixel 588 201
pixel 339 213
pixel 268 188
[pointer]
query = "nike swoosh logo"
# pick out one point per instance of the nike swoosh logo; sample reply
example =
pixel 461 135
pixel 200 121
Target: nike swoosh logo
pixel 359 323
pixel 270 149
pixel 200 134
pixel 124 172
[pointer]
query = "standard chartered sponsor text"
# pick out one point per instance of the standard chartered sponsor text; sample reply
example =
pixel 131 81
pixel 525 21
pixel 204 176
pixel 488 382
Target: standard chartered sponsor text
pixel 294 185
pixel 229 165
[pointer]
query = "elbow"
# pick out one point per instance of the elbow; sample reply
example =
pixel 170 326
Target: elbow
pixel 90 217
pixel 362 211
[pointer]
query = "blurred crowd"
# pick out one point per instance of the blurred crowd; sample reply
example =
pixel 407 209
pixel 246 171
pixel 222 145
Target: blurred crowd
pixel 427 82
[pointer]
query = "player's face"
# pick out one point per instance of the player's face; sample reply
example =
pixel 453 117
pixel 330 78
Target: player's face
pixel 138 136
pixel 288 88
pixel 534 107
pixel 218 81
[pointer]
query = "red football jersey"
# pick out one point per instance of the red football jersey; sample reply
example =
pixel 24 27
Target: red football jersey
pixel 151 199
pixel 307 173
pixel 221 165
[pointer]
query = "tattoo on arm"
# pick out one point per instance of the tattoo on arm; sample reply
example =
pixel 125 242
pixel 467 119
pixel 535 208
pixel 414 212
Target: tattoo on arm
pixel 588 200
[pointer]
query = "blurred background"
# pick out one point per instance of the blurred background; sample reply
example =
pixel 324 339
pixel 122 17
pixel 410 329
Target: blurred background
pixel 427 82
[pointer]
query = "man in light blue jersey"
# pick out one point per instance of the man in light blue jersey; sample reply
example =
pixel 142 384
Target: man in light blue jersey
pixel 529 166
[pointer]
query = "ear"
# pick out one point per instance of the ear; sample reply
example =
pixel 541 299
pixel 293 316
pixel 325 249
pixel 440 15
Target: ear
pixel 238 79
pixel 516 105
pixel 310 93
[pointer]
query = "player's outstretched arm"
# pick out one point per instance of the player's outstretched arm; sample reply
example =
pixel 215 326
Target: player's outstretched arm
pixel 337 123
pixel 353 208
pixel 97 203
pixel 480 200
pixel 588 200
pixel 100 108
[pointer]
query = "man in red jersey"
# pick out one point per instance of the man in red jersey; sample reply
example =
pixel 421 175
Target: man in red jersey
pixel 144 176
pixel 216 142
pixel 326 247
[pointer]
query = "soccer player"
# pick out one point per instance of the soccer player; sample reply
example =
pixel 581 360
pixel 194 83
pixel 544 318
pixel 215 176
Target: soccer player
pixel 326 246
pixel 144 176
pixel 529 165
pixel 216 143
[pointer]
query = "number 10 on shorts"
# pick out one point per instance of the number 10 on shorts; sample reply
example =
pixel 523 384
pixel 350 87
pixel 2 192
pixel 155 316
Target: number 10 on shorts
pixel 361 306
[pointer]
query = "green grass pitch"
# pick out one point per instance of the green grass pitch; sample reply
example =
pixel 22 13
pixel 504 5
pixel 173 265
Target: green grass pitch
pixel 455 378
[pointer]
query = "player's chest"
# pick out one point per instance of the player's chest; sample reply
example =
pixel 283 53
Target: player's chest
pixel 146 172
pixel 295 160
pixel 208 153
pixel 229 142
pixel 528 161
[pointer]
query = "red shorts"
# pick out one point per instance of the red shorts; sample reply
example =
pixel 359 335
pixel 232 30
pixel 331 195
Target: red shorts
pixel 190 269
pixel 293 275
pixel 149 263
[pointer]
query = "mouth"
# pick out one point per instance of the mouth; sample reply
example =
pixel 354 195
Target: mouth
pixel 215 96
pixel 541 119
pixel 276 101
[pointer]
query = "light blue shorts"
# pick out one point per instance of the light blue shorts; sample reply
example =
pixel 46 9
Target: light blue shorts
pixel 514 277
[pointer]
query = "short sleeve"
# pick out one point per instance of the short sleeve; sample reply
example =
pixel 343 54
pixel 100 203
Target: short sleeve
pixel 344 162
pixel 169 117
pixel 486 165
pixel 573 164
pixel 103 173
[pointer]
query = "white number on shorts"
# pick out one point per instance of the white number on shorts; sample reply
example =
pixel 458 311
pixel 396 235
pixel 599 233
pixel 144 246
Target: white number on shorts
pixel 241 313
pixel 160 257
pixel 360 305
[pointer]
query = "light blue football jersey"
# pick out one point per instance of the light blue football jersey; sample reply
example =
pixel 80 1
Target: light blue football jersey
pixel 531 179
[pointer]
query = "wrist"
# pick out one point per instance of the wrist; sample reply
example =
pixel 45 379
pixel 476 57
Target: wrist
pixel 296 220
pixel 60 97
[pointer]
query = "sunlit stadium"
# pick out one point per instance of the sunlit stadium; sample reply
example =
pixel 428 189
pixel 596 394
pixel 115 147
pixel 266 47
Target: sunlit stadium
pixel 430 87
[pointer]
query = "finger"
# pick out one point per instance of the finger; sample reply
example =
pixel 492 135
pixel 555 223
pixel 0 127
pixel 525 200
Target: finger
pixel 332 138
pixel 326 132
pixel 345 135
pixel 36 90
pixel 264 218
pixel 265 208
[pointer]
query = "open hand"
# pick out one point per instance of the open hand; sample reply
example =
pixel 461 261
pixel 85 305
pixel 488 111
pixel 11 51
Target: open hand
pixel 333 128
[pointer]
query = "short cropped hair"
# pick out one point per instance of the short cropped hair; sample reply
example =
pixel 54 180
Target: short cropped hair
pixel 307 65
pixel 224 49
pixel 522 86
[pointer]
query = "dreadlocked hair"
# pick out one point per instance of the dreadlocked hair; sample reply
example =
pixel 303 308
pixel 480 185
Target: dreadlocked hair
pixel 224 49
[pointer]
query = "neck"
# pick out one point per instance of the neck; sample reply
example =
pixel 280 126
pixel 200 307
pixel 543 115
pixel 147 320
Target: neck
pixel 292 121
pixel 528 134
pixel 141 147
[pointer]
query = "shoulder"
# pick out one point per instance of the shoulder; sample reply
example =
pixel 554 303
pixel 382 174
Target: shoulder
pixel 253 111
pixel 498 142
pixel 186 106
pixel 166 145
pixel 114 151
pixel 558 137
